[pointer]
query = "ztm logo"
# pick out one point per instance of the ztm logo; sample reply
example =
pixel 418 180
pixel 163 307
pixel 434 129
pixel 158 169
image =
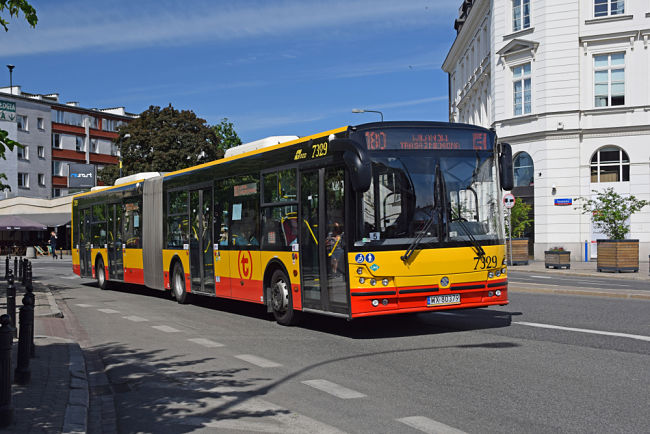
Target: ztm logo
pixel 245 264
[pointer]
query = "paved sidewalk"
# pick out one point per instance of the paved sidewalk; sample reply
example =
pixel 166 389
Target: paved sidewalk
pixel 56 399
pixel 581 268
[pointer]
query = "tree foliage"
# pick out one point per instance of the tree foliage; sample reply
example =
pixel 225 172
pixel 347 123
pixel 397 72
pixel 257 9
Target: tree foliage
pixel 519 218
pixel 227 135
pixel 163 140
pixel 5 142
pixel 611 211
pixel 14 7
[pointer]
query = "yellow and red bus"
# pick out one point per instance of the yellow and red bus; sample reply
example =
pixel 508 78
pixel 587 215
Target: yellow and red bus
pixel 374 219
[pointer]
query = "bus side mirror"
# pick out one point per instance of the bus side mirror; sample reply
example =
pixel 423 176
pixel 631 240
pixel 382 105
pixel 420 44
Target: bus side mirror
pixel 356 160
pixel 506 175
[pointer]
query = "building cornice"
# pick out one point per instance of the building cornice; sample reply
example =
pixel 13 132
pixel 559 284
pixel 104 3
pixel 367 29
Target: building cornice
pixel 479 12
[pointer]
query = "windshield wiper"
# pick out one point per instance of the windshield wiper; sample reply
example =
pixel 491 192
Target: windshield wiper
pixel 417 240
pixel 475 244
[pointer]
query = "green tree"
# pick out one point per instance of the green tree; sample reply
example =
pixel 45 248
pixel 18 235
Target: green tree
pixel 610 212
pixel 163 140
pixel 519 218
pixel 14 7
pixel 227 135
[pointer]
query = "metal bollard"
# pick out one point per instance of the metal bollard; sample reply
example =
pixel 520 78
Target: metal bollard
pixel 6 341
pixel 11 300
pixel 29 288
pixel 23 374
pixel 15 266
pixel 6 267
pixel 24 275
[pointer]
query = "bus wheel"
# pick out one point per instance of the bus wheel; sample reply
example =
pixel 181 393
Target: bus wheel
pixel 178 284
pixel 100 274
pixel 282 300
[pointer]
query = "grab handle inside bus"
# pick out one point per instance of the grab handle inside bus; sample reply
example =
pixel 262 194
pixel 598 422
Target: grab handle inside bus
pixel 356 160
pixel 506 175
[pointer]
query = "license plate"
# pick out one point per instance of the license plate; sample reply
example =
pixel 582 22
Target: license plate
pixel 442 300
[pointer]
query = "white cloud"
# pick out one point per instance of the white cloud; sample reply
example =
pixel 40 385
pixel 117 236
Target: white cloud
pixel 123 25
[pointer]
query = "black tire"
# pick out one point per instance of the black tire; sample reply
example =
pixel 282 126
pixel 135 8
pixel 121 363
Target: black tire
pixel 281 299
pixel 178 284
pixel 100 274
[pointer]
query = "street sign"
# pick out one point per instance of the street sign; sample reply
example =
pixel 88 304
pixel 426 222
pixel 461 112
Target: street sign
pixel 508 200
pixel 7 111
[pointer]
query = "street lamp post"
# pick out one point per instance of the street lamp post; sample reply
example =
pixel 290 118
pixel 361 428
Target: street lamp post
pixel 11 80
pixel 356 110
pixel 126 136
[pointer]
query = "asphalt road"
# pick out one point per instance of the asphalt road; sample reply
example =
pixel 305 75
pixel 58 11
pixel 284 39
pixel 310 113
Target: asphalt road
pixel 544 363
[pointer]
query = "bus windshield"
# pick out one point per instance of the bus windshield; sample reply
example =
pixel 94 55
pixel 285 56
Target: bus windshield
pixel 404 202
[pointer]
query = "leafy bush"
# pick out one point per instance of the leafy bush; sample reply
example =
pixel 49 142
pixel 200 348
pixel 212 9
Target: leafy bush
pixel 610 212
pixel 519 217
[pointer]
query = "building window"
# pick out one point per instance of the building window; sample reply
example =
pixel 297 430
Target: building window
pixel 23 180
pixel 21 122
pixel 605 8
pixel 609 79
pixel 93 145
pixel 80 143
pixel 41 151
pixel 524 170
pixel 40 123
pixel 56 192
pixel 521 89
pixel 520 15
pixel 22 152
pixel 57 168
pixel 610 164
pixel 68 118
pixel 41 180
pixel 56 141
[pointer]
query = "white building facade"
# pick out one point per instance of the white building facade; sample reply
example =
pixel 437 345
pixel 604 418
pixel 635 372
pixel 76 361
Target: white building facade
pixel 566 83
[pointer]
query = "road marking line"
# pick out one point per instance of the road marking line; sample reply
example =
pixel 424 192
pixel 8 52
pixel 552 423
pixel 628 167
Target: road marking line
pixel 258 361
pixel 206 342
pixel 109 310
pixel 135 318
pixel 573 329
pixel 166 329
pixel 427 425
pixel 84 305
pixel 334 389
pixel 540 277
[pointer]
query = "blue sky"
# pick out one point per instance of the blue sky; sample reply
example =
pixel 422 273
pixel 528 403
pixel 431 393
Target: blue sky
pixel 271 67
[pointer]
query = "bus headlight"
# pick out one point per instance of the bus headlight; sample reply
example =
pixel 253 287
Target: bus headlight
pixel 375 303
pixel 362 280
pixel 490 275
pixel 373 282
pixel 360 270
pixel 498 273
pixel 384 282
pixel 497 293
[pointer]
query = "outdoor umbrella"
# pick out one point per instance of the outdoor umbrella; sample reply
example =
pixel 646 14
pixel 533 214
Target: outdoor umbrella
pixel 18 223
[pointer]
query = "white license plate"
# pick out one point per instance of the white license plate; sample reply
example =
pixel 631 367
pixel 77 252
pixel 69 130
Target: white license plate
pixel 442 300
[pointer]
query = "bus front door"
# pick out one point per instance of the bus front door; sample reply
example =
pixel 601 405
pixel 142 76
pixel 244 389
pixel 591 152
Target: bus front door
pixel 85 266
pixel 201 241
pixel 322 246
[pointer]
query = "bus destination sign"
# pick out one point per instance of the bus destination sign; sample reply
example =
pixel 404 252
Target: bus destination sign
pixel 415 139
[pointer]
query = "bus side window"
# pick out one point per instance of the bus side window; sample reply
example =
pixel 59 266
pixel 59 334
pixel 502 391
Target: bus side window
pixel 221 213
pixel 244 230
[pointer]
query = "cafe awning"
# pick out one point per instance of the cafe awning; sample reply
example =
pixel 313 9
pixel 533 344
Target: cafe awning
pixel 50 219
pixel 20 223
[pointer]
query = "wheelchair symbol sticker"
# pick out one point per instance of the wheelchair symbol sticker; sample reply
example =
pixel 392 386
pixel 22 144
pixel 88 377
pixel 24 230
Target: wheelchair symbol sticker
pixel 359 258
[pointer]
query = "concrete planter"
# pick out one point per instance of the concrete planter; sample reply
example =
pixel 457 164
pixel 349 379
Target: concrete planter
pixel 519 251
pixel 618 256
pixel 557 259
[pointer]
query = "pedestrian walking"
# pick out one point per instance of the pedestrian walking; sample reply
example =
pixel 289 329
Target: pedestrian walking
pixel 53 244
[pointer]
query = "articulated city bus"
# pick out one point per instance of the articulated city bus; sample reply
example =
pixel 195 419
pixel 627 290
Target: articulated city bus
pixel 374 219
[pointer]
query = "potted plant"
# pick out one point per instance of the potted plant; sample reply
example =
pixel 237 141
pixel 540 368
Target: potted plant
pixel 610 213
pixel 557 257
pixel 519 221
